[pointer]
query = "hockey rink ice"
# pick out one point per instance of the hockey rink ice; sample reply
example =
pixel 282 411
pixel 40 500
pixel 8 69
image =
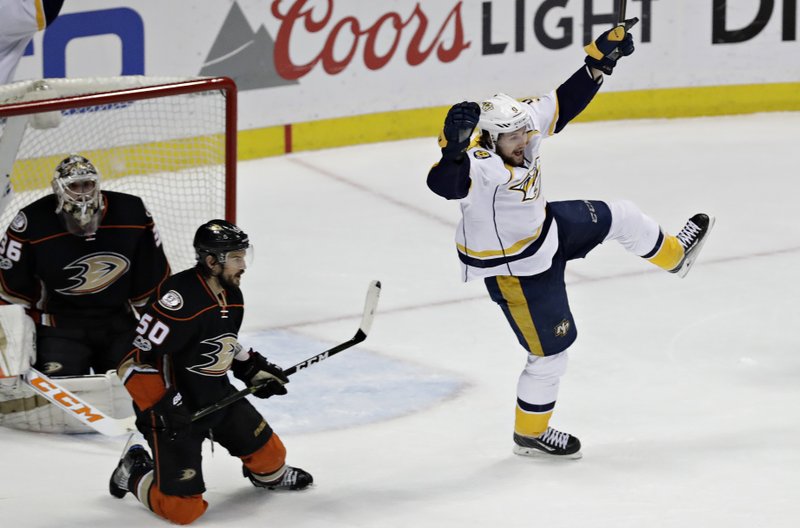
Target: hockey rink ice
pixel 684 393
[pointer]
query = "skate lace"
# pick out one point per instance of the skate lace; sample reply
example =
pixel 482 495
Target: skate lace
pixel 688 234
pixel 289 477
pixel 555 438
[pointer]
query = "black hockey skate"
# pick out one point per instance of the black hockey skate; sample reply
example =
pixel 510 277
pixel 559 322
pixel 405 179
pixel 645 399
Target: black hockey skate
pixel 136 462
pixel 293 479
pixel 692 237
pixel 550 443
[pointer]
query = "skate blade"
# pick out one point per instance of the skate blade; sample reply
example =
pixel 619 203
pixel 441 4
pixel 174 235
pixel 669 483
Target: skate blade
pixel 536 453
pixel 687 265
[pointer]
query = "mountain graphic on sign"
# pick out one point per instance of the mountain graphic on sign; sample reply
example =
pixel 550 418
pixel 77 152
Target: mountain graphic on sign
pixel 243 55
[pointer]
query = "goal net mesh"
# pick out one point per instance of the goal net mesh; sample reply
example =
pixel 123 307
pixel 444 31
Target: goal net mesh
pixel 167 148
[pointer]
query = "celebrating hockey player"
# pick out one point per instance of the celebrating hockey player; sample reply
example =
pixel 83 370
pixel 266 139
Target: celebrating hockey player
pixel 184 346
pixel 78 260
pixel 519 243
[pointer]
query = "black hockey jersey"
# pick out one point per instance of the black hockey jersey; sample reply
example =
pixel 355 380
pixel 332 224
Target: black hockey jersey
pixel 186 339
pixel 69 280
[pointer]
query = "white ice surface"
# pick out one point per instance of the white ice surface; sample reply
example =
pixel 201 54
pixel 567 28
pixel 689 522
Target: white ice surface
pixel 684 393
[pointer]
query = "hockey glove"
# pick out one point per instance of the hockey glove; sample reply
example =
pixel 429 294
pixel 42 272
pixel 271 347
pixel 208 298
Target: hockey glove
pixel 257 371
pixel 461 120
pixel 603 53
pixel 168 417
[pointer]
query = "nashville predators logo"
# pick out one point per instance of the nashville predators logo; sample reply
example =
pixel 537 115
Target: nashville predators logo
pixel 531 184
pixel 224 347
pixel 95 273
pixel 562 328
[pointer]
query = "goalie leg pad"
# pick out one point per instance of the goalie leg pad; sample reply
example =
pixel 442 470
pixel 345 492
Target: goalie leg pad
pixel 17 341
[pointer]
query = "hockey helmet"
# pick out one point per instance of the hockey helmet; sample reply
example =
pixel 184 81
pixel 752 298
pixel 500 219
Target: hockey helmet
pixel 501 114
pixel 76 184
pixel 218 238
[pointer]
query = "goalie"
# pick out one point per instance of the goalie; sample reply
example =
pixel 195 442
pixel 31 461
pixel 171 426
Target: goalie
pixel 79 260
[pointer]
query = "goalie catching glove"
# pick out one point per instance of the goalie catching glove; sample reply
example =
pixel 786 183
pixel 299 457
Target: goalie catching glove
pixel 257 371
pixel 605 51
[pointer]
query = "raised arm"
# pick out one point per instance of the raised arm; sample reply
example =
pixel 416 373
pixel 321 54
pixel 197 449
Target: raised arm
pixel 601 58
pixel 449 177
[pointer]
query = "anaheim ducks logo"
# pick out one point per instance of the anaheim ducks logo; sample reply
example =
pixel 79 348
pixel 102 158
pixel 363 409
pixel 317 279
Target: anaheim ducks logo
pixel 220 358
pixel 95 273
pixel 531 185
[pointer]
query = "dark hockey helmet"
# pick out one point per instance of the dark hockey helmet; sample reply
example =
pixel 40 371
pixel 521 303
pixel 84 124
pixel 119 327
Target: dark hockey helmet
pixel 218 238
pixel 76 184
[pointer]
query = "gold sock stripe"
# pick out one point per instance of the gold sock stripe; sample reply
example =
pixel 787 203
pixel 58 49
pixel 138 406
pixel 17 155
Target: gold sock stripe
pixel 669 254
pixel 531 424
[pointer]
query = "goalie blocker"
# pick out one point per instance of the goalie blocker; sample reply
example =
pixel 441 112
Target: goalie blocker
pixel 22 408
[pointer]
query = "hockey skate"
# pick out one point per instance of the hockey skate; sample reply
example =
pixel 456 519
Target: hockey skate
pixel 293 479
pixel 136 462
pixel 550 443
pixel 692 237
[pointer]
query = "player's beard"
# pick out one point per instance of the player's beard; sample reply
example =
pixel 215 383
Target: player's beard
pixel 515 159
pixel 232 281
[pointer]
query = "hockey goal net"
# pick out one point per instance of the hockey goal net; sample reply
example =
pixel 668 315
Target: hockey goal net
pixel 171 142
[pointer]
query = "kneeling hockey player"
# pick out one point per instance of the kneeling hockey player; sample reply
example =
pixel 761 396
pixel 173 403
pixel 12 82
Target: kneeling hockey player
pixel 184 346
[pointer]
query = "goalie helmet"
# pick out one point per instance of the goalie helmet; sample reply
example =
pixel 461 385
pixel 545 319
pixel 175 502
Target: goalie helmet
pixel 501 114
pixel 76 184
pixel 218 238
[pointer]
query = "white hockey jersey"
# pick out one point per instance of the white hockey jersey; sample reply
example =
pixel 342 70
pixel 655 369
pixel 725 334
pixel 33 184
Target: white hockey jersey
pixel 505 228
pixel 20 20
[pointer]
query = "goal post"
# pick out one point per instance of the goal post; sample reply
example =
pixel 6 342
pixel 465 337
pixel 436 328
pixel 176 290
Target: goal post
pixel 170 141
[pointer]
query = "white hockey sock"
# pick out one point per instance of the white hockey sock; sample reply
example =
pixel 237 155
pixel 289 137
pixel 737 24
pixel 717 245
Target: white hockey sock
pixel 537 390
pixel 637 232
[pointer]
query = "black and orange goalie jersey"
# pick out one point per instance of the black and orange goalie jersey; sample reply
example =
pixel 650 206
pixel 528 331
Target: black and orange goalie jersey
pixel 66 279
pixel 188 338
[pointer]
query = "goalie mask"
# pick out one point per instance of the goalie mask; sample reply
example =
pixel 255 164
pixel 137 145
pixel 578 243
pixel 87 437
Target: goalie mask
pixel 218 238
pixel 76 184
pixel 501 114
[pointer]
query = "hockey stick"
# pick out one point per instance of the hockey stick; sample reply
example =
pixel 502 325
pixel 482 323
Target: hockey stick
pixel 622 6
pixel 93 417
pixel 370 304
pixel 74 406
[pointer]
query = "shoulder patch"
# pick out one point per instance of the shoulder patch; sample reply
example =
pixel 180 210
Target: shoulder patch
pixel 19 223
pixel 481 154
pixel 171 300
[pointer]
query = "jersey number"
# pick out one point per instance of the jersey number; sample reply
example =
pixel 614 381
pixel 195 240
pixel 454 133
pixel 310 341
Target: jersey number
pixel 157 333
pixel 11 248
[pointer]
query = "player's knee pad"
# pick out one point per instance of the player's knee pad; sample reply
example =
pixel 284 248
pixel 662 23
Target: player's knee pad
pixel 270 458
pixel 175 508
pixel 637 232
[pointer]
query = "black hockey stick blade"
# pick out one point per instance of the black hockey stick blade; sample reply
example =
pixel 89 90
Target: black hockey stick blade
pixel 370 305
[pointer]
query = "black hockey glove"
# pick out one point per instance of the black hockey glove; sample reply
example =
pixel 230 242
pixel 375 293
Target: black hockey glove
pixel 256 370
pixel 168 417
pixel 461 120
pixel 605 51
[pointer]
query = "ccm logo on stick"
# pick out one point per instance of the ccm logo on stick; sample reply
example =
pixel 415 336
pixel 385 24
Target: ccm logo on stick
pixel 65 399
pixel 315 359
